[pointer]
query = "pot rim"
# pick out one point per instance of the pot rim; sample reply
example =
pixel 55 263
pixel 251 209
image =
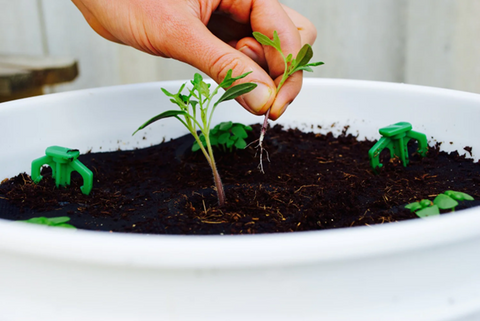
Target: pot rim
pixel 235 251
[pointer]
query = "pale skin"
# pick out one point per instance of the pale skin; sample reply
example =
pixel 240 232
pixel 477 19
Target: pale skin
pixel 213 36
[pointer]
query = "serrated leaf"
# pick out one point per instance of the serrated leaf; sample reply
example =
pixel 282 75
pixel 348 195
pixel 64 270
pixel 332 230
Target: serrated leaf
pixel 223 138
pixel 262 39
pixel 247 128
pixel 428 211
pixel 236 91
pixel 459 196
pixel 166 114
pixel 239 131
pixel 202 87
pixel 240 143
pixel 224 126
pixel 445 202
pixel 229 80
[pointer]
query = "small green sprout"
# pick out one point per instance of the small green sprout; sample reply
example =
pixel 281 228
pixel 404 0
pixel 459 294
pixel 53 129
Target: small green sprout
pixel 60 221
pixel 446 201
pixel 226 136
pixel 292 65
pixel 196 111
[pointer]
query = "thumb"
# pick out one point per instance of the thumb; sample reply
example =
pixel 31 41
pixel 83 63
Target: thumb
pixel 206 52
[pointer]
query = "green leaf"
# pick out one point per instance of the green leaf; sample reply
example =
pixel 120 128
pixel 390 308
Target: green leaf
pixel 445 202
pixel 229 80
pixel 428 211
pixel 226 125
pixel 213 141
pixel 240 143
pixel 276 41
pixel 459 196
pixel 239 131
pixel 195 146
pixel 59 219
pixel 166 114
pixel 236 91
pixel 425 203
pixel 413 206
pixel 264 40
pixel 52 221
pixel 289 59
pixel 304 55
pixel 247 128
pixel 202 87
pixel 223 138
pixel 230 143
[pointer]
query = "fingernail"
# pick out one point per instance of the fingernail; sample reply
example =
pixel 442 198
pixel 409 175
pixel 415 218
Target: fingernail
pixel 284 108
pixel 248 52
pixel 257 98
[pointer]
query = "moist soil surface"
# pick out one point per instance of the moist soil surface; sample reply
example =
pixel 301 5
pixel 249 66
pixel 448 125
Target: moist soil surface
pixel 312 182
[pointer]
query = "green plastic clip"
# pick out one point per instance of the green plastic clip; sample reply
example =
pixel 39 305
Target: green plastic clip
pixel 63 162
pixel 396 137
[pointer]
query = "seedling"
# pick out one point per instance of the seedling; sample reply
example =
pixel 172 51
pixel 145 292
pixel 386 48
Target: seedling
pixel 60 221
pixel 196 110
pixel 446 201
pixel 396 137
pixel 292 65
pixel 226 136
pixel 63 162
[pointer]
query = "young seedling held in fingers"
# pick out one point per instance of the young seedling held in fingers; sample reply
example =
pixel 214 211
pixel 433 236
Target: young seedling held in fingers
pixel 292 65
pixel 196 111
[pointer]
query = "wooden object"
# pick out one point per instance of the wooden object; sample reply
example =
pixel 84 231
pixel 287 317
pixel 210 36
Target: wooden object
pixel 25 76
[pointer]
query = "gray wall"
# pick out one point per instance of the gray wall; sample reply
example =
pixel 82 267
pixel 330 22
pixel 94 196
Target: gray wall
pixel 426 42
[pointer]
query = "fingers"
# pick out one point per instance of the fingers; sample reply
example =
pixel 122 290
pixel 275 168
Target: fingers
pixel 94 23
pixel 308 32
pixel 197 46
pixel 250 47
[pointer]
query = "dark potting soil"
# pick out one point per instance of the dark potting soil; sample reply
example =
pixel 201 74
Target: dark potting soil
pixel 313 182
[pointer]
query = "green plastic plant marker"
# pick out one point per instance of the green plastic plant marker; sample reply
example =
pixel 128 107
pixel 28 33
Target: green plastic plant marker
pixel 396 137
pixel 63 162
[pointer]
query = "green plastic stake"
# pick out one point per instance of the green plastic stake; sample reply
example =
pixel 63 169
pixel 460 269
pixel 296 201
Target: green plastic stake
pixel 396 137
pixel 63 162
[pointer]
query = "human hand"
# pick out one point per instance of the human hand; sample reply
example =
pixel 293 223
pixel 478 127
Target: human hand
pixel 213 36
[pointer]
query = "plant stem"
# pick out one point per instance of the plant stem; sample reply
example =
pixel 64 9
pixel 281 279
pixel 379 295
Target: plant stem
pixel 216 176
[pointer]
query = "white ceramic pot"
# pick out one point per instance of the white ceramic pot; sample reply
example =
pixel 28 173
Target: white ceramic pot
pixel 425 269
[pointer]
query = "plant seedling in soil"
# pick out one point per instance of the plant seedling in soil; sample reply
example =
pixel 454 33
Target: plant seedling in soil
pixel 292 65
pixel 196 111
pixel 446 201
pixel 60 221
pixel 226 136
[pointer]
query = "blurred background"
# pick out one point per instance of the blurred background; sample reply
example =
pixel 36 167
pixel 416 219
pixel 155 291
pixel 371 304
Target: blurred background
pixel 425 42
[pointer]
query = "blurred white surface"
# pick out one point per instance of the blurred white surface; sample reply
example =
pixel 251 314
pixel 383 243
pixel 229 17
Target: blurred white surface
pixel 425 42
